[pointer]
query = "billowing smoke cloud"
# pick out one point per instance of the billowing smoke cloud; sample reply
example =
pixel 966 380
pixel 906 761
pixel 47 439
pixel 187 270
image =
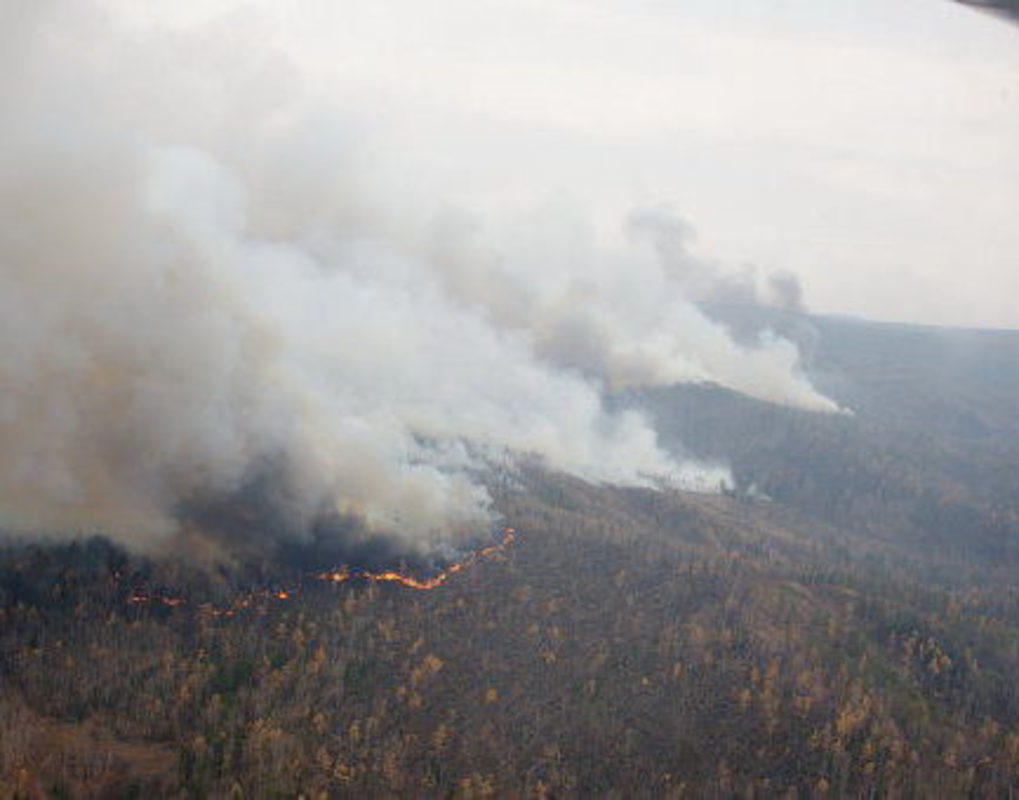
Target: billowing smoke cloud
pixel 670 236
pixel 202 285
pixel 768 368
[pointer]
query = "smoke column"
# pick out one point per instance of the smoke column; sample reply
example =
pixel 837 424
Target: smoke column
pixel 202 283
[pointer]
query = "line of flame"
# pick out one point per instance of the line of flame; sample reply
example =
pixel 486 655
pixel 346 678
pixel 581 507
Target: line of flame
pixel 341 574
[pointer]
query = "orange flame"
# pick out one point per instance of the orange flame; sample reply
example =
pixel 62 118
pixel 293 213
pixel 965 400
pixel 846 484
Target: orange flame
pixel 338 575
pixel 341 574
pixel 138 596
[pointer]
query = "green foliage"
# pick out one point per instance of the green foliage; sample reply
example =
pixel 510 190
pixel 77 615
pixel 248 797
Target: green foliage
pixel 228 678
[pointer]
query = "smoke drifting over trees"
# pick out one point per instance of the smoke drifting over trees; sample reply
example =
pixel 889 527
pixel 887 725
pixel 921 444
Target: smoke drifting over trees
pixel 202 282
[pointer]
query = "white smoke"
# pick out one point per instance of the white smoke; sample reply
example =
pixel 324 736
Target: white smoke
pixel 197 280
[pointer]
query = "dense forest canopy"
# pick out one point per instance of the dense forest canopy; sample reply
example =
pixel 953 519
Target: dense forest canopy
pixel 844 620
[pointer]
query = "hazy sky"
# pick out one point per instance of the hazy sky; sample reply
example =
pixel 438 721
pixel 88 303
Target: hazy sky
pixel 871 147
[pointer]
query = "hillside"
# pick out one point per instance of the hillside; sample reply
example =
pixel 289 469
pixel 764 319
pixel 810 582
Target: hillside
pixel 926 463
pixel 845 622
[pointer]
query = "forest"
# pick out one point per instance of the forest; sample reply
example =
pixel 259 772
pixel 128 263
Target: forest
pixel 844 621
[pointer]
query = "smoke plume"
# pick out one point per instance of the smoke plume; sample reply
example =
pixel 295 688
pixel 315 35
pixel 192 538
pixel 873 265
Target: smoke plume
pixel 203 284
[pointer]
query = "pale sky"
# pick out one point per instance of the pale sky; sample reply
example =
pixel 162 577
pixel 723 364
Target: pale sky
pixel 871 147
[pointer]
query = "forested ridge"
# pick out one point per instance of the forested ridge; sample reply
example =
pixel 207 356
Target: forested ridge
pixel 843 622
